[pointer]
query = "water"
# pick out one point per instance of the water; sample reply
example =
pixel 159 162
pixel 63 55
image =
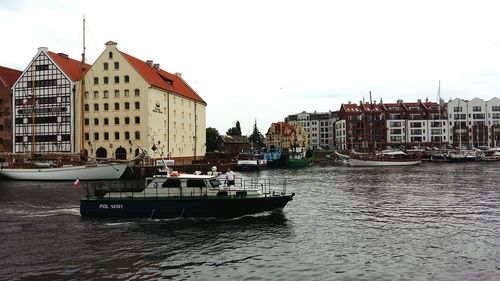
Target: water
pixel 432 222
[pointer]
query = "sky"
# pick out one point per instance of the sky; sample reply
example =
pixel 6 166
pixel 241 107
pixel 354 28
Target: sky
pixel 260 61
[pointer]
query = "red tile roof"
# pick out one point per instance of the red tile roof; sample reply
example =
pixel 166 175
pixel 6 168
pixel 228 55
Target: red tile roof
pixel 351 107
pixel 71 67
pixel 9 76
pixel 159 78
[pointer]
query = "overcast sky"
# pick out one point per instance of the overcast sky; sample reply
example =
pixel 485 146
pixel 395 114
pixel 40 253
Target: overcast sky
pixel 263 60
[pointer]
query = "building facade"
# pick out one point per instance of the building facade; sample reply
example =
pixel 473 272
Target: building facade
pixel 318 125
pixel 282 135
pixel 132 104
pixel 474 123
pixel 8 77
pixel 43 114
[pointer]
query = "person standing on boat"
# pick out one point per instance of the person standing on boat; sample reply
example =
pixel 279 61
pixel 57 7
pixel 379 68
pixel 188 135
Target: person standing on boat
pixel 230 177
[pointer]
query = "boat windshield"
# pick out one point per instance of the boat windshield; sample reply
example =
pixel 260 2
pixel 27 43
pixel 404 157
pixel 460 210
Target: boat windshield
pixel 214 182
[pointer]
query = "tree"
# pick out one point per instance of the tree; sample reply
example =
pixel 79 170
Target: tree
pixel 234 131
pixel 256 137
pixel 212 135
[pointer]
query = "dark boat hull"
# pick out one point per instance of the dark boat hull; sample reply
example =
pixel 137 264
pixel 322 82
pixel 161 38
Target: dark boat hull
pixel 218 207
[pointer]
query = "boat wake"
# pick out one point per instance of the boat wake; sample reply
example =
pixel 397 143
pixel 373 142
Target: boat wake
pixel 56 212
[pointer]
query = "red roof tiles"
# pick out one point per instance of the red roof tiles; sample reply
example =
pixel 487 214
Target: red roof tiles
pixel 71 67
pixel 162 79
pixel 9 76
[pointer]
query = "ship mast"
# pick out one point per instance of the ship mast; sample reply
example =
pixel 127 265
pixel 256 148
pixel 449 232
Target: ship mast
pixel 82 96
pixel 33 109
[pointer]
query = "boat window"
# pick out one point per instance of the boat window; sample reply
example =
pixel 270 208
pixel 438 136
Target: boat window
pixel 214 182
pixel 172 183
pixel 195 183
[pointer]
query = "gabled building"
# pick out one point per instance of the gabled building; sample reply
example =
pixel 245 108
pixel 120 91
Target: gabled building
pixel 131 104
pixel 282 135
pixel 8 77
pixel 233 144
pixel 44 104
pixel 318 125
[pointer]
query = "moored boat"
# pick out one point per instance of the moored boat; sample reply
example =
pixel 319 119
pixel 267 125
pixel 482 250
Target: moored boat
pixel 171 195
pixel 102 171
pixel 393 158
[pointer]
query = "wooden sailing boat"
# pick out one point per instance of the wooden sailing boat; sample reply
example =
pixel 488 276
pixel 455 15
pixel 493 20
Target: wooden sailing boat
pixel 385 158
pixel 96 171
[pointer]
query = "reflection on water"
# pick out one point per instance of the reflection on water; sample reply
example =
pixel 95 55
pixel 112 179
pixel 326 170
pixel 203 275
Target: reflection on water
pixel 436 222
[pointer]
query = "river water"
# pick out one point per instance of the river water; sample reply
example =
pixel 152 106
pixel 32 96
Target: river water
pixel 431 222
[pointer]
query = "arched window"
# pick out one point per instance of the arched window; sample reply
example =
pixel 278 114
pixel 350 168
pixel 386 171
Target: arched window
pixel 101 153
pixel 121 153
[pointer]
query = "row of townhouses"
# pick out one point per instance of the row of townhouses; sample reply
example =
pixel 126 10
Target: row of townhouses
pixel 110 109
pixel 403 124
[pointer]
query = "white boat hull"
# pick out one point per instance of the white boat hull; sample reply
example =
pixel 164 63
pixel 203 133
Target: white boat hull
pixel 376 163
pixel 106 171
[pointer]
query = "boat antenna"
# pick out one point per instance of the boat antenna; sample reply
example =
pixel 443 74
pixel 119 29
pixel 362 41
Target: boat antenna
pixel 33 99
pixel 82 96
pixel 371 127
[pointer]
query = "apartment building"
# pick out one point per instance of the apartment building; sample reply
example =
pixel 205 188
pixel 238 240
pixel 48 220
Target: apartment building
pixel 8 77
pixel 318 125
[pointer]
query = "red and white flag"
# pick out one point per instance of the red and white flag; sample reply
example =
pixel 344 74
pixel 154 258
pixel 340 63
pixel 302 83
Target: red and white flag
pixel 25 102
pixel 77 183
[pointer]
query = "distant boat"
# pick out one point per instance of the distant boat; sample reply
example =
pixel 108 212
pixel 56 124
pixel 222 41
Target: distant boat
pixel 298 158
pixel 393 158
pixel 101 171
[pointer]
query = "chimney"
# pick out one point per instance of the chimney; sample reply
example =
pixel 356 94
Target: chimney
pixel 43 49
pixel 381 101
pixel 419 101
pixel 178 74
pixel 400 101
pixel 156 66
pixel 63 55
pixel 426 99
pixel 150 63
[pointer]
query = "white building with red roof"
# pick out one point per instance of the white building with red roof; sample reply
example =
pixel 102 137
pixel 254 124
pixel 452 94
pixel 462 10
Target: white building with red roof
pixel 44 102
pixel 131 104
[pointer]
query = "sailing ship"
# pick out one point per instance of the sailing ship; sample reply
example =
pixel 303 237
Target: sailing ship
pixel 81 168
pixel 387 158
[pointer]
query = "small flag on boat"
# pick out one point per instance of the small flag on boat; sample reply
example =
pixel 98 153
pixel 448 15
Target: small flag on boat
pixel 77 183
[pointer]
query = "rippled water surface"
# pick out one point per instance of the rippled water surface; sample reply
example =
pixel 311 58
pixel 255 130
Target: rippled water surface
pixel 432 222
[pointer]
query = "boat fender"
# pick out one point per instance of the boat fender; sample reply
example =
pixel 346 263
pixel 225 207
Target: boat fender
pixel 155 185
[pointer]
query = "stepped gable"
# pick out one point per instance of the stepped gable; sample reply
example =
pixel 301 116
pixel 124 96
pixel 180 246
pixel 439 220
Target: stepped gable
pixel 69 66
pixel 159 78
pixel 9 76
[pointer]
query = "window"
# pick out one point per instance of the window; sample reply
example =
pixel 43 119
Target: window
pixel 106 136
pixel 117 135
pixel 96 95
pixel 96 107
pixel 105 66
pixel 137 93
pixel 86 95
pixel 172 183
pixel 495 108
pixel 137 120
pixel 117 93
pixel 195 183
pixel 105 94
pixel 137 105
pixel 126 78
pixel 96 80
pixel 117 121
pixel 137 135
pixel 86 107
pixel 476 108
pixel 96 136
pixel 96 121
pixel 87 136
pixel 117 79
pixel 117 65
pixel 106 80
pixel 106 107
pixel 127 106
pixel 127 120
pixel 110 55
pixel 457 109
pixel 106 121
pixel 127 93
pixel 117 106
pixel 86 121
pixel 127 135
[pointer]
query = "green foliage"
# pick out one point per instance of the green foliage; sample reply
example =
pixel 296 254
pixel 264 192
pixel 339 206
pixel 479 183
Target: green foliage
pixel 256 138
pixel 234 131
pixel 212 135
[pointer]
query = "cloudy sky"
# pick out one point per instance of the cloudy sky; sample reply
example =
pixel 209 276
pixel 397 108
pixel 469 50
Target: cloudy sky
pixel 262 60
